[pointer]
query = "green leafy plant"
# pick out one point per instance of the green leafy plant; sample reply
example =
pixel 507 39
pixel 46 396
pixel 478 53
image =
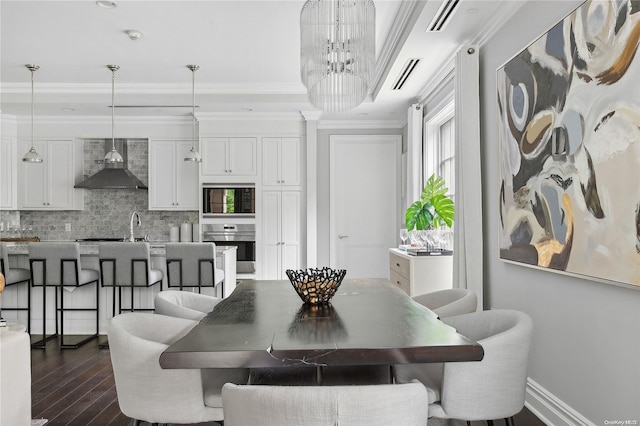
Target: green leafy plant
pixel 433 209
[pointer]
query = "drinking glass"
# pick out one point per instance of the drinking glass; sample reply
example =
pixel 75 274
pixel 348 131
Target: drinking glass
pixel 404 235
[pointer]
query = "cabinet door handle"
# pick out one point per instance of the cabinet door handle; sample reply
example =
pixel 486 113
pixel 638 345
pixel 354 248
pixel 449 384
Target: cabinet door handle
pixel 343 236
pixel 397 264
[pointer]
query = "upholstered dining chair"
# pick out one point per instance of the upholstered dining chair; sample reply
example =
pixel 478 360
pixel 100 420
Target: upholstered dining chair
pixel 371 405
pixel 493 388
pixel 147 392
pixel 184 304
pixel 193 265
pixel 127 264
pixel 449 302
pixel 58 264
pixel 15 276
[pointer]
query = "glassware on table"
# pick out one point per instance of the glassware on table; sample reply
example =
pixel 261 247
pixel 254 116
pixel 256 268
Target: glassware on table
pixel 404 235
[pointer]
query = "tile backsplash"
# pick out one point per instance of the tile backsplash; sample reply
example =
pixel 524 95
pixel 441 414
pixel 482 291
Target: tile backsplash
pixel 106 212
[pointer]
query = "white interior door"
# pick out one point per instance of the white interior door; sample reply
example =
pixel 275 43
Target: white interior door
pixel 365 198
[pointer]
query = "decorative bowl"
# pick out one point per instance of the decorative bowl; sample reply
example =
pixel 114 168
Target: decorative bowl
pixel 316 285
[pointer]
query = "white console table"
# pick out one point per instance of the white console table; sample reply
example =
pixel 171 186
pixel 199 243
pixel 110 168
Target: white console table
pixel 420 274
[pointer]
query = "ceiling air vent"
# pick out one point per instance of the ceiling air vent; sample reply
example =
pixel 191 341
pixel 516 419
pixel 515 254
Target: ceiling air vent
pixel 443 16
pixel 405 73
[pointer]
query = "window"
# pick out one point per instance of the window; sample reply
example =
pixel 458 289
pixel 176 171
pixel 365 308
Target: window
pixel 439 145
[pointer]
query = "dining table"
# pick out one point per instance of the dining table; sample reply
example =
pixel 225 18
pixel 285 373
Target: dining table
pixel 368 326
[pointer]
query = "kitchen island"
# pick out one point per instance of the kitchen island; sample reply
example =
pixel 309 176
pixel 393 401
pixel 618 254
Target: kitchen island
pixel 84 322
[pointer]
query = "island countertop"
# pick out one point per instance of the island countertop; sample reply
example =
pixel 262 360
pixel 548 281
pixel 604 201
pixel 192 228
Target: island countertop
pixel 91 248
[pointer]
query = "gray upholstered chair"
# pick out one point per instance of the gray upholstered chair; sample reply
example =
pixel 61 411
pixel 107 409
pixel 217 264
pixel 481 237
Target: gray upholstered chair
pixel 493 388
pixel 14 276
pixel 193 265
pixel 184 304
pixel 449 302
pixel 148 392
pixel 127 264
pixel 58 264
pixel 371 405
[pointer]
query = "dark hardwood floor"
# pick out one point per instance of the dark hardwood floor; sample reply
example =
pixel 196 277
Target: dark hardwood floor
pixel 76 387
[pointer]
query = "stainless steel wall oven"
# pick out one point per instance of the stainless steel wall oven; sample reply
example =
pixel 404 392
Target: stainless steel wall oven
pixel 242 236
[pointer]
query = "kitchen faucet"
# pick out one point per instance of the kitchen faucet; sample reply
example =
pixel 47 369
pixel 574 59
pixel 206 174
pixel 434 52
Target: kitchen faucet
pixel 134 214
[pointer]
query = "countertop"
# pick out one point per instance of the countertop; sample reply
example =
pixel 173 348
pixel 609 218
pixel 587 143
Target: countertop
pixel 91 248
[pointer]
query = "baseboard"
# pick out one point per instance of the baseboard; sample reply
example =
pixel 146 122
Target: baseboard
pixel 550 409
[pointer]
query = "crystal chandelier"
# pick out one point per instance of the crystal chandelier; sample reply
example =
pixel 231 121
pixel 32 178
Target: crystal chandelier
pixel 337 52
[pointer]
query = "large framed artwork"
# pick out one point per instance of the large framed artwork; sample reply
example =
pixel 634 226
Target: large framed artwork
pixel 569 130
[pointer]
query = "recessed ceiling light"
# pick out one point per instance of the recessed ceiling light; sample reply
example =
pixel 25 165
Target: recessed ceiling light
pixel 473 10
pixel 134 34
pixel 68 109
pixel 106 4
pixel 246 109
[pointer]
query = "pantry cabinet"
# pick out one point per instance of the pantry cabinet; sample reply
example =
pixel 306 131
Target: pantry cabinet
pixel 281 161
pixel 282 233
pixel 8 174
pixel 50 185
pixel 173 182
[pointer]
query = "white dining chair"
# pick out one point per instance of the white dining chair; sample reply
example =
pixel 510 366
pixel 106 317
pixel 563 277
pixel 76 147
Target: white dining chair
pixel 449 302
pixel 355 405
pixel 493 388
pixel 147 392
pixel 184 304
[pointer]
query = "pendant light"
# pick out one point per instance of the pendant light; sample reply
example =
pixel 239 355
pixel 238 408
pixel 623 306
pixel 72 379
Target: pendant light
pixel 113 156
pixel 193 154
pixel 32 155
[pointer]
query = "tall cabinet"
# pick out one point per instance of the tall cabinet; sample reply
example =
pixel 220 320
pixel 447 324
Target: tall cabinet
pixel 49 185
pixel 8 174
pixel 282 233
pixel 173 182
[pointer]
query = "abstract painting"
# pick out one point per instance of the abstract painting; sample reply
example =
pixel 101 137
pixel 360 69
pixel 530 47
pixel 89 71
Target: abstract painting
pixel 569 138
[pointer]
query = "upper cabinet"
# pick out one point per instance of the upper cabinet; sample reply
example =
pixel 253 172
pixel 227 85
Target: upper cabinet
pixel 173 182
pixel 281 159
pixel 232 157
pixel 8 174
pixel 49 185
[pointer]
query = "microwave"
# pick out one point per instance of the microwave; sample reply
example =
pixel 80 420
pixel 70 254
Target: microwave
pixel 228 200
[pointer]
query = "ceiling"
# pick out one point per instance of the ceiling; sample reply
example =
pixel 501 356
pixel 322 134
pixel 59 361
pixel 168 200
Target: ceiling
pixel 247 50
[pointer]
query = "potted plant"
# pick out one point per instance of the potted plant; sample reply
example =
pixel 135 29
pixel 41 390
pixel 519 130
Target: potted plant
pixel 433 210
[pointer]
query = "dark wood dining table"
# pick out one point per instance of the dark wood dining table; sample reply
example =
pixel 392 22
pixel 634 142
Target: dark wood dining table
pixel 265 326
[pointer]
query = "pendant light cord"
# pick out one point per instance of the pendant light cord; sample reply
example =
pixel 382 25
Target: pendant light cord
pixel 32 109
pixel 113 80
pixel 193 108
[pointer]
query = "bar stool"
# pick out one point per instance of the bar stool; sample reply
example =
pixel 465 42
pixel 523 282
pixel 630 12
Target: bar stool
pixel 58 265
pixel 127 264
pixel 193 265
pixel 14 276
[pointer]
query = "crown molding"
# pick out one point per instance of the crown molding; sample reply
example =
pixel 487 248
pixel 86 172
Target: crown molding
pixel 49 119
pixel 359 124
pixel 163 89
pixel 213 116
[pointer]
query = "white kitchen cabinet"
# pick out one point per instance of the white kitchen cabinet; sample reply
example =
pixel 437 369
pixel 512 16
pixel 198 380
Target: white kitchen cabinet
pixel 49 185
pixel 420 274
pixel 281 160
pixel 227 156
pixel 282 233
pixel 8 174
pixel 173 182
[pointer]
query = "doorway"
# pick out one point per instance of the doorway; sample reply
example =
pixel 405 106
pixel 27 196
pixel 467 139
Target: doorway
pixel 364 202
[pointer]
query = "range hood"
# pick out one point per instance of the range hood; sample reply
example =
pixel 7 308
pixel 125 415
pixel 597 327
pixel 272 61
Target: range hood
pixel 113 176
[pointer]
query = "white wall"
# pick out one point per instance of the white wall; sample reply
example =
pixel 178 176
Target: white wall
pixel 586 344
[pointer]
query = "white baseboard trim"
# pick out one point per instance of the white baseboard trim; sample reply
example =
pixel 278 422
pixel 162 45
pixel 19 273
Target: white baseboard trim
pixel 550 409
